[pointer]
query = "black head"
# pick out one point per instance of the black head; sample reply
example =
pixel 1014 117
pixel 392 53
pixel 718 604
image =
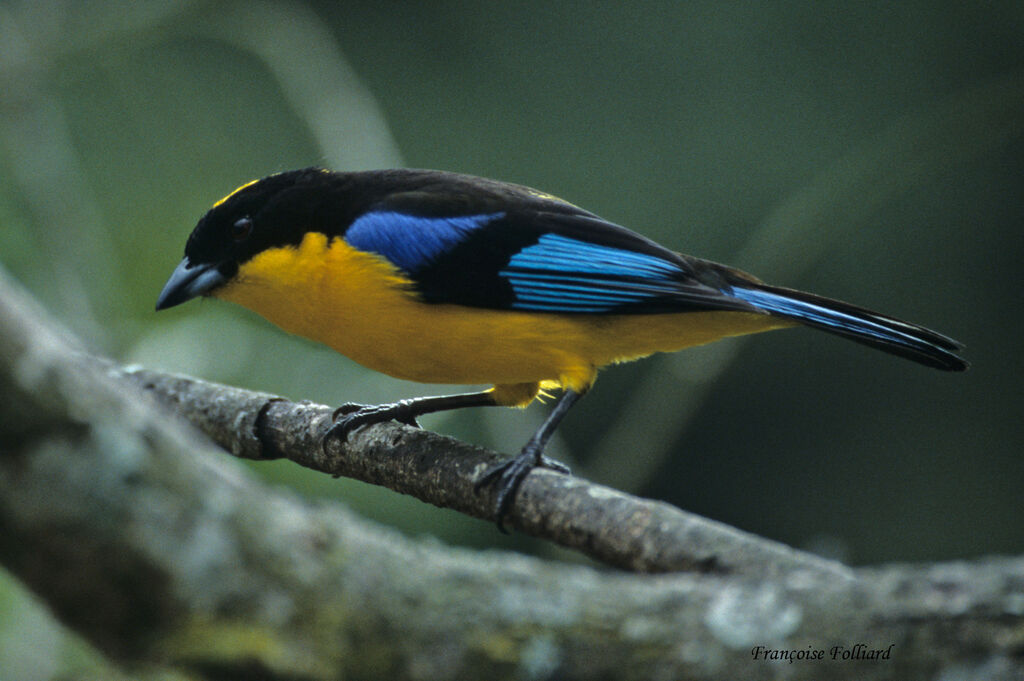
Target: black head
pixel 274 211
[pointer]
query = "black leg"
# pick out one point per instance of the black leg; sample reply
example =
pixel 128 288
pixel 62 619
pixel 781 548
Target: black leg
pixel 508 476
pixel 351 416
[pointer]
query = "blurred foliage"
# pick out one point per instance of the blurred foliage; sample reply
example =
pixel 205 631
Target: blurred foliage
pixel 868 151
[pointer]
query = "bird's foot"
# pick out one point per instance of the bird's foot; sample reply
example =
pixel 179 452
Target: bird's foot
pixel 509 475
pixel 351 415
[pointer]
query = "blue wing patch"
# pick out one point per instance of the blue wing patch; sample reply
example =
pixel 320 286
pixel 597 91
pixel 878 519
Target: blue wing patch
pixel 561 274
pixel 409 241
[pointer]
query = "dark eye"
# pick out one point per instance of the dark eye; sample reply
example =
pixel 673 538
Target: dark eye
pixel 242 228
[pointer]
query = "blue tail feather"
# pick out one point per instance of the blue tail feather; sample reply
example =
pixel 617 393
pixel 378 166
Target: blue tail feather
pixel 856 323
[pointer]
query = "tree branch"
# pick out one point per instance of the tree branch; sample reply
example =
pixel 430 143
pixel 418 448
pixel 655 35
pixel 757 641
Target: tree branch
pixel 610 526
pixel 161 551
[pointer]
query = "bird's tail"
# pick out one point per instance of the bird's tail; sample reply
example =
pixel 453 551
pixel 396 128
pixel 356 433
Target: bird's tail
pixel 856 323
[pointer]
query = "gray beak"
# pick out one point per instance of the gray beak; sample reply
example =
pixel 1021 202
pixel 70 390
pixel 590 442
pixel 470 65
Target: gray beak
pixel 188 281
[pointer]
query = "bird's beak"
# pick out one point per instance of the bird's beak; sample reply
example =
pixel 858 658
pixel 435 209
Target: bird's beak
pixel 188 281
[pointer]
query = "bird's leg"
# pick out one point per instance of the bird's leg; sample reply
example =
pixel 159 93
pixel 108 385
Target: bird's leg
pixel 348 417
pixel 509 475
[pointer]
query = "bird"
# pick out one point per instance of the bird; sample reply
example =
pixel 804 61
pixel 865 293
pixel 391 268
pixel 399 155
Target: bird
pixel 442 277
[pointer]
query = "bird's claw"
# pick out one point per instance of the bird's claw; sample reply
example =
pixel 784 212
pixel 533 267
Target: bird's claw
pixel 507 476
pixel 352 415
pixel 349 408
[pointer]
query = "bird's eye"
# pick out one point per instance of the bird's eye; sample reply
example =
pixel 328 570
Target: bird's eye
pixel 242 228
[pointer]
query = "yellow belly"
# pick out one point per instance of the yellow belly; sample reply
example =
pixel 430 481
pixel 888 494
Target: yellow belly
pixel 361 306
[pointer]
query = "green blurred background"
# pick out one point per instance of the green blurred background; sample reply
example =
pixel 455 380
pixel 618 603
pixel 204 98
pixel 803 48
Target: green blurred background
pixel 867 151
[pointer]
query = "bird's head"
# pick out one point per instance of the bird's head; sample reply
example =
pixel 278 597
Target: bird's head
pixel 263 214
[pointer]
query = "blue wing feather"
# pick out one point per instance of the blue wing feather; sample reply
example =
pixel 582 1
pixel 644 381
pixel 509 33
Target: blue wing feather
pixel 561 254
pixel 562 274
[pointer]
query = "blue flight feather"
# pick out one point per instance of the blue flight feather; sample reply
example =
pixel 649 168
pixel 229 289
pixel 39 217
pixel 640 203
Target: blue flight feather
pixel 561 274
pixel 411 241
pixel 563 254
